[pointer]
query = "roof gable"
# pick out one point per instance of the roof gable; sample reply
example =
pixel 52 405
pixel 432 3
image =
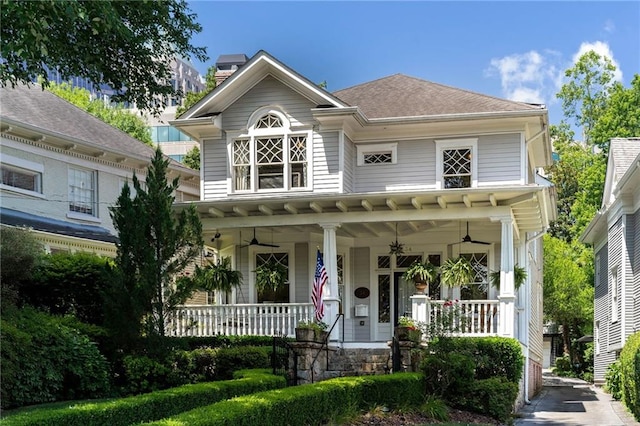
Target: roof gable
pixel 623 152
pixel 403 96
pixel 250 74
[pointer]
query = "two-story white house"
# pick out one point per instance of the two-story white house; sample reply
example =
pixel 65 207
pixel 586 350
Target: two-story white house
pixel 615 235
pixel 288 168
pixel 62 169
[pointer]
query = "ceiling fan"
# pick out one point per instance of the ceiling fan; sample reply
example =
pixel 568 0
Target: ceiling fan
pixel 254 242
pixel 467 239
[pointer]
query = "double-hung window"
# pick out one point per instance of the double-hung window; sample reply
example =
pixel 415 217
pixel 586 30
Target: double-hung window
pixel 82 191
pixel 456 164
pixel 270 156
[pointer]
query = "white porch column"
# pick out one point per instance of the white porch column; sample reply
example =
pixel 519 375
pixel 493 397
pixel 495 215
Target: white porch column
pixel 330 294
pixel 507 295
pixel 420 308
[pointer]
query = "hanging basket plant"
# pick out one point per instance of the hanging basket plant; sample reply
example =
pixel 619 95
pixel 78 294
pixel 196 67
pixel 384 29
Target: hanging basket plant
pixel 421 272
pixel 519 277
pixel 271 275
pixel 457 271
pixel 218 276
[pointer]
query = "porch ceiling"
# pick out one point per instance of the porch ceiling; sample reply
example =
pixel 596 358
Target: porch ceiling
pixel 375 214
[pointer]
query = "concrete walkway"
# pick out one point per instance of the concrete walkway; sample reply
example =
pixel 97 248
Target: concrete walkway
pixel 568 401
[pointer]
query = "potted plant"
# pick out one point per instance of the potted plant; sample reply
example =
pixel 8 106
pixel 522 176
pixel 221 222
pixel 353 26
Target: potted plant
pixel 217 276
pixel 408 330
pixel 519 277
pixel 421 273
pixel 311 331
pixel 271 275
pixel 457 271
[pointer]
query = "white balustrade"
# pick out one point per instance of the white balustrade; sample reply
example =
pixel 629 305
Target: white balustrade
pixel 463 317
pixel 259 319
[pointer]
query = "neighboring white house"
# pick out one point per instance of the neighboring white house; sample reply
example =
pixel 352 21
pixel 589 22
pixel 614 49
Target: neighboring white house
pixel 615 235
pixel 349 173
pixel 62 169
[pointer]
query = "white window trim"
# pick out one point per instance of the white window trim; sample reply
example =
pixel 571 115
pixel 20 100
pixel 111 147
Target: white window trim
pixel 83 216
pixel 377 148
pixel 613 294
pixel 29 167
pixel 252 134
pixel 445 144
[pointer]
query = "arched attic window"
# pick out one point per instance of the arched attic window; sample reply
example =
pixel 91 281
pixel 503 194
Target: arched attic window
pixel 270 156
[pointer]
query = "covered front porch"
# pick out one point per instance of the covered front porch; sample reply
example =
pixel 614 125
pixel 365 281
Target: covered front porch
pixel 495 229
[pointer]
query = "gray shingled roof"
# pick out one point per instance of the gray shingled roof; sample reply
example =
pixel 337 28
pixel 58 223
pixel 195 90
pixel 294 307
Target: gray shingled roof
pixel 624 151
pixel 43 110
pixel 403 96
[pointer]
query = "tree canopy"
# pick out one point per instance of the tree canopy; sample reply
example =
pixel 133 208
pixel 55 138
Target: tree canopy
pixel 117 43
pixel 116 116
pixel 192 159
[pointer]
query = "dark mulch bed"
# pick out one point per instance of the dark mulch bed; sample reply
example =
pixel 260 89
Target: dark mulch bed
pixel 379 418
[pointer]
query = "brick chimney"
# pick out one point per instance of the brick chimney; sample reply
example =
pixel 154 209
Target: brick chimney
pixel 227 65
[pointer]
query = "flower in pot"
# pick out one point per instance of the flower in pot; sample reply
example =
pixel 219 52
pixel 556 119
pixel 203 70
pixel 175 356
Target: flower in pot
pixel 408 329
pixel 421 273
pixel 271 275
pixel 311 331
pixel 217 276
pixel 519 277
pixel 457 271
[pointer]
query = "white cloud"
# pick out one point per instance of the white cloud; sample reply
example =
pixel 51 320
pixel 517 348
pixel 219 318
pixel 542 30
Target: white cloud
pixel 536 77
pixel 527 77
pixel 602 49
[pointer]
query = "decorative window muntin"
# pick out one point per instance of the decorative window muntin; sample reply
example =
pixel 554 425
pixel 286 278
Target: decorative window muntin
pixel 376 154
pixel 478 289
pixel 384 299
pixel 281 294
pixel 456 163
pixel 242 164
pixel 82 191
pixel 456 168
pixel 270 156
pixel 269 121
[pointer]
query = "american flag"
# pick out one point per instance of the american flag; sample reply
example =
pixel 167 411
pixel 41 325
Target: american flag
pixel 319 280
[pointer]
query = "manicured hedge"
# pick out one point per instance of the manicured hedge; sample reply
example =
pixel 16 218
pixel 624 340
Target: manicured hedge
pixel 630 372
pixel 148 407
pixel 313 404
pixel 191 343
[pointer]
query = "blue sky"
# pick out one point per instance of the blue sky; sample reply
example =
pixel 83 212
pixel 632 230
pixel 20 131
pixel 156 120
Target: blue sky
pixel 512 50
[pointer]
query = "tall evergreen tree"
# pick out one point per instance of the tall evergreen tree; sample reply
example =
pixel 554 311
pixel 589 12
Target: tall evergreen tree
pixel 155 246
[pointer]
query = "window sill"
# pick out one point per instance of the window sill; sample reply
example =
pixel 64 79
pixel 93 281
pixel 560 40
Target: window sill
pixel 22 191
pixel 84 217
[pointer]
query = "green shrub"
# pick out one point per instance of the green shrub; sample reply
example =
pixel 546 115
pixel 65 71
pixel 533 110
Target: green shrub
pixel 630 372
pixel 144 374
pixel 314 404
pixel 494 397
pixel 613 380
pixel 229 360
pixel 44 360
pixel 447 373
pixel 219 341
pixel 563 366
pixel 147 407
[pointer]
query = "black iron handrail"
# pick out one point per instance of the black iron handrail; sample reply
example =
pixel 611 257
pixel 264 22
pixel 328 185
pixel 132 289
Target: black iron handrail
pixel 325 345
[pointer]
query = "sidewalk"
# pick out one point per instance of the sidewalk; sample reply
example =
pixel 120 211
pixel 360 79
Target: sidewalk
pixel 573 402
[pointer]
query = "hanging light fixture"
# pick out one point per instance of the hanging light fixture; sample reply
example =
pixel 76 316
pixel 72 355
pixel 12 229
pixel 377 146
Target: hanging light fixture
pixel 396 247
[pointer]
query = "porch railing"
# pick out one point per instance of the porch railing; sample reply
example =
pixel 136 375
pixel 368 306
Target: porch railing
pixel 463 317
pixel 259 319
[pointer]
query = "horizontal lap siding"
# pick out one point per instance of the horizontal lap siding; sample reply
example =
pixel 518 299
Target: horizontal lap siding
pixel 302 282
pixel 269 91
pixel 499 158
pixel 326 162
pixel 414 170
pixel 630 302
pixel 214 153
pixel 601 313
pixel 615 260
pixel 636 267
pixel 349 164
